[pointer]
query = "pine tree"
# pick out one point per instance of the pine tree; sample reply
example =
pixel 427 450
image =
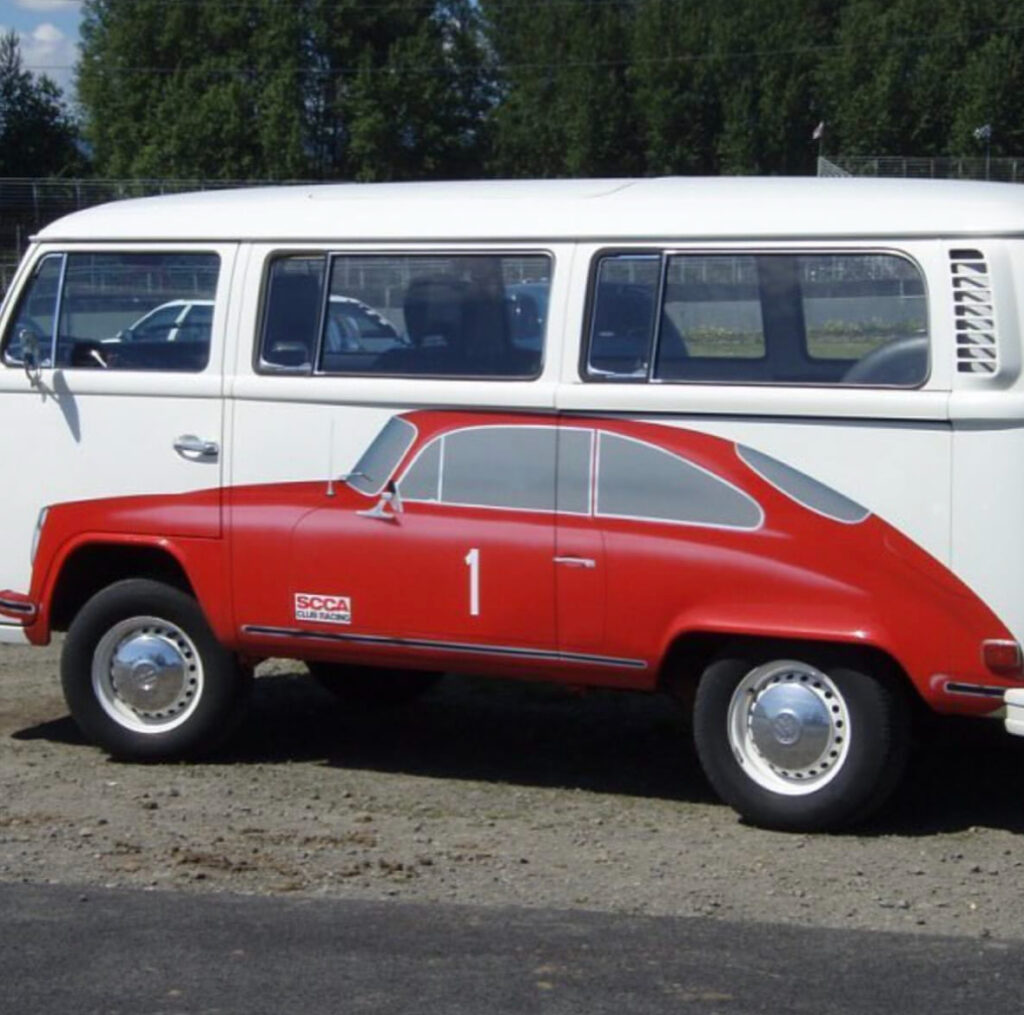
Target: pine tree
pixel 37 137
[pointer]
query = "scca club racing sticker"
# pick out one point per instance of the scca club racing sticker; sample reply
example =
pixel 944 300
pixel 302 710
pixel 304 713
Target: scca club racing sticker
pixel 325 609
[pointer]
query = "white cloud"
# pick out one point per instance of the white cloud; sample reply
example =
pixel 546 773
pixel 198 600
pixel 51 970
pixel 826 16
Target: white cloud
pixel 47 5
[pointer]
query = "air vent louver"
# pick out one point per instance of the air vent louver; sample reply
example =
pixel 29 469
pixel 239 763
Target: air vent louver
pixel 976 349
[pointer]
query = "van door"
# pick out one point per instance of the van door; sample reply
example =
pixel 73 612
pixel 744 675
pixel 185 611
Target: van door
pixel 111 385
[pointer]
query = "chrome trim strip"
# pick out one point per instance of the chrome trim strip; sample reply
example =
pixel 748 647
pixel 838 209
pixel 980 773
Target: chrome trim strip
pixel 25 609
pixel 975 690
pixel 418 643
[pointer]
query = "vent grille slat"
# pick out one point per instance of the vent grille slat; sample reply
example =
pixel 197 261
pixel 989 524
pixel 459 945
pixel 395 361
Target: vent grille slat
pixel 977 350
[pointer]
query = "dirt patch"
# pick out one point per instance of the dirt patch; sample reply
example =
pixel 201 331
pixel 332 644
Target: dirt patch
pixel 498 793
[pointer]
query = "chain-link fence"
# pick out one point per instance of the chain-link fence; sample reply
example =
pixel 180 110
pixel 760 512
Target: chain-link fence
pixel 26 205
pixel 1007 170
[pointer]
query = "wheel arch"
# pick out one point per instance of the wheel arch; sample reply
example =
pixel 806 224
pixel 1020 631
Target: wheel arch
pixel 91 566
pixel 690 653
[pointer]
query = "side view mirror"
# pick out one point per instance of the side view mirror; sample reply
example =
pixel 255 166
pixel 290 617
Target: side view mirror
pixel 30 357
pixel 389 507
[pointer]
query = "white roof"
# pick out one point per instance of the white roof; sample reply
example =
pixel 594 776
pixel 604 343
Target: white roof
pixel 687 208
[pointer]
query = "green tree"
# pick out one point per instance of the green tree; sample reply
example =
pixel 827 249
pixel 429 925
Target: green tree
pixel 890 84
pixel 676 83
pixel 989 86
pixel 37 137
pixel 403 91
pixel 192 89
pixel 767 57
pixel 564 102
pixel 260 88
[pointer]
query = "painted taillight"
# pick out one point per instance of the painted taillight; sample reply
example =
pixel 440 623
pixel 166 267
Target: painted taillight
pixel 1003 657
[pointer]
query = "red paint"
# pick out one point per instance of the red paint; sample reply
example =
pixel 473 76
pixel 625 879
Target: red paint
pixel 799 576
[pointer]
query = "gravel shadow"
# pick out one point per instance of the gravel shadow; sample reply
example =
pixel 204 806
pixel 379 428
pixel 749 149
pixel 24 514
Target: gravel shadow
pixel 962 773
pixel 482 729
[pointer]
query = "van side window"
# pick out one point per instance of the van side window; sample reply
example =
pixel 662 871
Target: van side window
pixel 291 313
pixel 778 318
pixel 436 315
pixel 119 311
pixel 622 320
pixel 33 322
pixel 711 310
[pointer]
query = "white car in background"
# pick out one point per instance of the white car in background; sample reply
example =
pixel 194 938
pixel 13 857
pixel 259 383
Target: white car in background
pixel 170 322
pixel 354 326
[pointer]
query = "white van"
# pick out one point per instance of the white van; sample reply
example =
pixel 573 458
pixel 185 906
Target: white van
pixel 747 441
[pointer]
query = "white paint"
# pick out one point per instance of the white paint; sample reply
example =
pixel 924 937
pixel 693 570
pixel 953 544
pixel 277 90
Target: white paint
pixel 472 560
pixel 685 209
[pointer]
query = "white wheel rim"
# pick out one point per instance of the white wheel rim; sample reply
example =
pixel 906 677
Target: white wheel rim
pixel 147 675
pixel 789 727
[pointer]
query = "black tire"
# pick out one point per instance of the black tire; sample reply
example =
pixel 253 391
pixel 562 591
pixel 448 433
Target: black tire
pixel 800 742
pixel 182 693
pixel 371 687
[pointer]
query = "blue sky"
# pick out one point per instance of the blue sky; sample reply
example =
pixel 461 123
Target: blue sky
pixel 49 36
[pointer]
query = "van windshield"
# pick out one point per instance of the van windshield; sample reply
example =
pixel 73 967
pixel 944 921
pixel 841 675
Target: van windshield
pixel 378 461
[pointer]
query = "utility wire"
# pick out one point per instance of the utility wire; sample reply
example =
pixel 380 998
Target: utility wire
pixel 682 58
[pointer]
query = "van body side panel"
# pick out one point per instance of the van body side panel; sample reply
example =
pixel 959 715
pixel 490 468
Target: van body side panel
pixel 988 529
pixel 987 411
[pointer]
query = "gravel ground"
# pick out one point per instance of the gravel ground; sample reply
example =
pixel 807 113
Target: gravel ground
pixel 495 793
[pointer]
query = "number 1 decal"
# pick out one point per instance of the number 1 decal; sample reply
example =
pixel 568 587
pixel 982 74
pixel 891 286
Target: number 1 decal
pixel 473 562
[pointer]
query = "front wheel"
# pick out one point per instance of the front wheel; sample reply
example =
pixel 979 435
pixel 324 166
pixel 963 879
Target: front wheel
pixel 800 745
pixel 146 678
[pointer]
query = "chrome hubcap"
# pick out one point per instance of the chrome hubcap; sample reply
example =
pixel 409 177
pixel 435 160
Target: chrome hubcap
pixel 147 674
pixel 789 727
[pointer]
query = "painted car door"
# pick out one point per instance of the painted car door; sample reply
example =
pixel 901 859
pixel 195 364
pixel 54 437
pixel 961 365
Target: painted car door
pixel 458 551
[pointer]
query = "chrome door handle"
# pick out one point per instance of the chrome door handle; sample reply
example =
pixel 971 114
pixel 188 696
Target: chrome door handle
pixel 188 444
pixel 576 562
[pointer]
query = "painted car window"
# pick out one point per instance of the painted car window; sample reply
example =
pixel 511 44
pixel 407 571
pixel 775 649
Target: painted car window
pixel 438 315
pixel 502 467
pixel 639 480
pixel 802 488
pixel 575 458
pixel 422 480
pixel 842 318
pixel 123 310
pixel 378 461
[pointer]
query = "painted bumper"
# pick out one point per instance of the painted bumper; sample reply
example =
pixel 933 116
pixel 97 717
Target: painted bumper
pixel 1014 700
pixel 17 606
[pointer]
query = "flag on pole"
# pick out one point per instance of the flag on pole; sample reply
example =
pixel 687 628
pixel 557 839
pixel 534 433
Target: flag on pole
pixel 819 132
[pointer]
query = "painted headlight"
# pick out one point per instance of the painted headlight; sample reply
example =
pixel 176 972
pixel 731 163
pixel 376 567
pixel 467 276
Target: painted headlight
pixel 39 531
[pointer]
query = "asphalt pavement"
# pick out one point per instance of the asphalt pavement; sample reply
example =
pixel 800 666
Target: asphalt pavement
pixel 140 953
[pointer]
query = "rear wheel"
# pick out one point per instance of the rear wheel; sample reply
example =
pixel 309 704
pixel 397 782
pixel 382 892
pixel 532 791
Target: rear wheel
pixel 372 687
pixel 799 742
pixel 146 678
